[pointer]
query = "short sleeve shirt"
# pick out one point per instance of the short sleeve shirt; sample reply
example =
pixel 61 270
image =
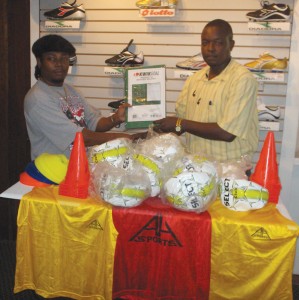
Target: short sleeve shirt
pixel 54 115
pixel 229 100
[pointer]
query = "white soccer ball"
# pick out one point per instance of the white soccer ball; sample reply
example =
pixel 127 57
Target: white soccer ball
pixel 111 152
pixel 119 186
pixel 195 163
pixel 242 195
pixel 152 168
pixel 191 191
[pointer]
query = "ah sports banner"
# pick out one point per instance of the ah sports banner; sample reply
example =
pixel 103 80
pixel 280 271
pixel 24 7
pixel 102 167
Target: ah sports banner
pixel 65 246
pixel 251 259
pixel 161 253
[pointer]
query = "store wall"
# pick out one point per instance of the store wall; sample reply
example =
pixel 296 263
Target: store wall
pixel 110 25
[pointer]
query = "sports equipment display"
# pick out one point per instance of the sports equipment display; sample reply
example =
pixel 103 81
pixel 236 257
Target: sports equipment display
pixel 195 62
pixel 266 61
pixel 270 13
pixel 126 58
pixel 242 195
pixel 156 3
pixel 268 112
pixel 190 191
pixel 66 11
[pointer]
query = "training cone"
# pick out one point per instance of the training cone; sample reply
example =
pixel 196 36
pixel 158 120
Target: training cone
pixel 77 177
pixel 266 170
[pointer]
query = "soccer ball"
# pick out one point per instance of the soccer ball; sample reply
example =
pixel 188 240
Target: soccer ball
pixel 242 195
pixel 153 169
pixel 191 191
pixel 120 187
pixel 195 163
pixel 111 152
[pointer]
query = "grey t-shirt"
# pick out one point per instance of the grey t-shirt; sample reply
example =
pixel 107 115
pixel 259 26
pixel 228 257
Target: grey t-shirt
pixel 54 115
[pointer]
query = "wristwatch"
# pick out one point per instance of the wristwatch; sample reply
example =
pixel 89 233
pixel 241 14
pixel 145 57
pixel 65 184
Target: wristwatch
pixel 178 126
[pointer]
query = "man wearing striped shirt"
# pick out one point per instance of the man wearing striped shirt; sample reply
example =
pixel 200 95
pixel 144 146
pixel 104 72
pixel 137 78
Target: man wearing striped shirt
pixel 217 106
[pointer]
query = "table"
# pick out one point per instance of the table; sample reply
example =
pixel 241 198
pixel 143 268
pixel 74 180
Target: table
pixel 86 249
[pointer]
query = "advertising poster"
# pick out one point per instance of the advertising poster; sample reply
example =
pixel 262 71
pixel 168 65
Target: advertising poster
pixel 145 91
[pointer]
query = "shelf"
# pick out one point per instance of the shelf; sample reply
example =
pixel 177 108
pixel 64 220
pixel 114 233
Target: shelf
pixel 183 74
pixel 269 125
pixel 269 76
pixel 62 24
pixel 114 71
pixel 269 26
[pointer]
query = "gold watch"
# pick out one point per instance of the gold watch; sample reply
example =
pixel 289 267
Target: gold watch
pixel 178 126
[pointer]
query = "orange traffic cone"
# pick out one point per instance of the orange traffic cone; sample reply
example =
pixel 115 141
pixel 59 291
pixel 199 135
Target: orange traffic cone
pixel 266 170
pixel 76 181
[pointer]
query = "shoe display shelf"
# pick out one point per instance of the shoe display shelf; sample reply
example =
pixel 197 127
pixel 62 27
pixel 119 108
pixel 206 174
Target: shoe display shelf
pixel 62 24
pixel 269 26
pixel 268 76
pixel 114 71
pixel 183 74
pixel 269 125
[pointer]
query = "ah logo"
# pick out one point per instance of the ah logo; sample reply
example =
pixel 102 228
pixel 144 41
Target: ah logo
pixel 261 234
pixel 95 225
pixel 154 231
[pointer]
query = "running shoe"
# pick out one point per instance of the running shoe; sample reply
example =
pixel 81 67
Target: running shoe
pixel 156 3
pixel 270 12
pixel 126 58
pixel 116 104
pixel 266 61
pixel 67 11
pixel 73 60
pixel 195 62
pixel 268 112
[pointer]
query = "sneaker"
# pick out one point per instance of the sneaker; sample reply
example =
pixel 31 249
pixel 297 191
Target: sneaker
pixel 270 12
pixel 116 104
pixel 126 58
pixel 195 62
pixel 268 112
pixel 268 62
pixel 156 3
pixel 73 60
pixel 67 11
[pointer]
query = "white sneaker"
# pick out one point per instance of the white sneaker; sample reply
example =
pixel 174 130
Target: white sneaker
pixel 195 62
pixel 268 112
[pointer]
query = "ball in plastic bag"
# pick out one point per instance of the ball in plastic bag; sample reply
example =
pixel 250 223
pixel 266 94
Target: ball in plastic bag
pixel 153 169
pixel 191 191
pixel 110 152
pixel 194 163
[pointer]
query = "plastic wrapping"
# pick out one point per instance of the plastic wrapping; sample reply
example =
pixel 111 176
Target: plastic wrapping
pixel 153 169
pixel 191 191
pixel 126 186
pixel 164 147
pixel 195 163
pixel 235 169
pixel 111 152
